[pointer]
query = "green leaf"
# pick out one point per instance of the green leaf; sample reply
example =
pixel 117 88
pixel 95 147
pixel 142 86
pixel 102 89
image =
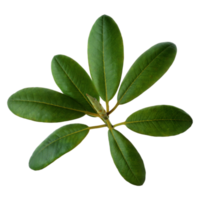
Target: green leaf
pixel 44 105
pixel 105 56
pixel 126 158
pixel 160 120
pixel 73 81
pixel 58 143
pixel 146 70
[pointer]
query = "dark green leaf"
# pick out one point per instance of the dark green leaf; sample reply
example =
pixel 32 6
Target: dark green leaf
pixel 126 158
pixel 44 105
pixel 58 143
pixel 73 81
pixel 161 120
pixel 146 70
pixel 105 55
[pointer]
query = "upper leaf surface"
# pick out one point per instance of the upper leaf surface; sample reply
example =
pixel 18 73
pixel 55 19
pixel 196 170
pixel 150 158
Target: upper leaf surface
pixel 160 120
pixel 146 70
pixel 73 81
pixel 58 143
pixel 126 158
pixel 105 56
pixel 44 105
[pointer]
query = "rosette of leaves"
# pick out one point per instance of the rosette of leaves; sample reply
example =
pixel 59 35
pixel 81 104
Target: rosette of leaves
pixel 81 96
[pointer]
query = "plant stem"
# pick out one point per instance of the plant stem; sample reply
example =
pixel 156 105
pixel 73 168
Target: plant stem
pixel 119 124
pixel 100 126
pixel 92 114
pixel 107 106
pixel 109 124
pixel 102 120
pixel 108 113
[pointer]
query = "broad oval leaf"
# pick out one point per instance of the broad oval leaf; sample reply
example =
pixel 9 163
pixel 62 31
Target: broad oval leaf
pixel 126 158
pixel 105 56
pixel 146 70
pixel 163 120
pixel 73 81
pixel 58 143
pixel 44 105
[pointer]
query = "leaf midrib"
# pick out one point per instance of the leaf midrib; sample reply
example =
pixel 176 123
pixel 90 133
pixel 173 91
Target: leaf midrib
pixel 124 157
pixel 141 73
pixel 104 73
pixel 74 84
pixel 48 104
pixel 61 138
pixel 141 121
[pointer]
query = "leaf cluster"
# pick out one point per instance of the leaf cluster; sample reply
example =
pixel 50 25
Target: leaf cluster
pixel 81 96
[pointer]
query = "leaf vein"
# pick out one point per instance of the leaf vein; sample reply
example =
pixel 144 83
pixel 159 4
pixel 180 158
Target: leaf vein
pixel 141 73
pixel 104 73
pixel 74 83
pixel 49 104
pixel 123 156
pixel 156 120
pixel 61 138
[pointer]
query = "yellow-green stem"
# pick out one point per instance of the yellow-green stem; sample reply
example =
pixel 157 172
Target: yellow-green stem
pixel 119 124
pixel 92 114
pixel 109 124
pixel 107 106
pixel 108 113
pixel 102 120
pixel 100 126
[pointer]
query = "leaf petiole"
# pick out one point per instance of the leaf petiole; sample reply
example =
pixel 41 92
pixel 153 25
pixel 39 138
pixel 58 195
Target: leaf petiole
pixel 100 126
pixel 107 106
pixel 108 113
pixel 119 124
pixel 92 114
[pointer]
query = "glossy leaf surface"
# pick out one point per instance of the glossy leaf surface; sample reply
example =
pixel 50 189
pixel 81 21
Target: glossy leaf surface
pixel 58 143
pixel 126 158
pixel 146 70
pixel 44 105
pixel 160 120
pixel 73 81
pixel 105 55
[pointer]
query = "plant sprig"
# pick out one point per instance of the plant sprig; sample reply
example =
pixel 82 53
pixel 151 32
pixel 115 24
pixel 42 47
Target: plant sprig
pixel 81 96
